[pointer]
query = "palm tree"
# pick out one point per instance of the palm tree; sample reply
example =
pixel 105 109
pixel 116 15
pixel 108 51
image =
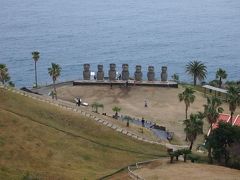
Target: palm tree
pixel 196 69
pixel 4 76
pixel 97 105
pixel 193 127
pixel 116 110
pixel 188 97
pixel 35 56
pixel 221 74
pixel 233 99
pixel 175 77
pixel 54 71
pixel 212 110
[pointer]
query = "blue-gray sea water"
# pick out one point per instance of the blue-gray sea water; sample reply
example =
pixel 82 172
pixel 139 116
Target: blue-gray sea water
pixel 146 32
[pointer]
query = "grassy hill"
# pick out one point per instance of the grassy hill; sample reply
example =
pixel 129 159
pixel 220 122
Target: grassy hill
pixel 48 142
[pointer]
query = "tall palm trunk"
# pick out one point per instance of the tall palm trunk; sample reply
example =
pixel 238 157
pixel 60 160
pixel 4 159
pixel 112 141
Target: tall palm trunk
pixel 231 118
pixel 1 78
pixel 220 82
pixel 195 80
pixel 191 145
pixel 210 155
pixel 186 112
pixel 211 126
pixel 54 87
pixel 209 147
pixel 36 73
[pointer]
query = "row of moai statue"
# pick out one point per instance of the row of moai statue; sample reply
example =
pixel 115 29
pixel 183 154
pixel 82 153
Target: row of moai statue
pixel 125 73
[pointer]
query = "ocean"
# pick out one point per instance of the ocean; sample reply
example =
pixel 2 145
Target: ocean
pixel 145 32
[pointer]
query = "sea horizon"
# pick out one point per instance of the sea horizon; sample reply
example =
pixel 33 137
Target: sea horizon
pixel 156 32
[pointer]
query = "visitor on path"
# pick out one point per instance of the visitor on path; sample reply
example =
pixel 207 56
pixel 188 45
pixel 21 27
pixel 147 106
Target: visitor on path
pixel 119 77
pixel 52 94
pixel 145 103
pixel 127 84
pixel 111 85
pixel 79 101
pixel 143 122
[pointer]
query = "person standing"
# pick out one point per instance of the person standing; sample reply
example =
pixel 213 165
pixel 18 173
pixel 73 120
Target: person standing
pixel 145 103
pixel 127 84
pixel 52 94
pixel 143 122
pixel 79 102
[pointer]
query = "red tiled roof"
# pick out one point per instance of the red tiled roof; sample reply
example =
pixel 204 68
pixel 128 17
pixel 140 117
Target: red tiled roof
pixel 223 118
pixel 226 118
pixel 237 121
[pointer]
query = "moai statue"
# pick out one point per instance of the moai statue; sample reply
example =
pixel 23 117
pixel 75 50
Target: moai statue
pixel 100 73
pixel 138 73
pixel 112 72
pixel 86 72
pixel 164 75
pixel 151 73
pixel 125 72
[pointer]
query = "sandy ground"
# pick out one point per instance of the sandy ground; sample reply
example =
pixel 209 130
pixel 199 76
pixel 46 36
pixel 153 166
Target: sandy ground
pixel 163 108
pixel 162 169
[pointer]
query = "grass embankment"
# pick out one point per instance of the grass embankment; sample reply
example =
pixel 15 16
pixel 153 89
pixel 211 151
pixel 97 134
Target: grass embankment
pixel 53 143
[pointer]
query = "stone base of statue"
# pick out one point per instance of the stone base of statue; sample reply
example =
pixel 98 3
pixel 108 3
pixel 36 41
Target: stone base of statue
pixel 86 75
pixel 125 75
pixel 100 76
pixel 112 75
pixel 151 76
pixel 138 76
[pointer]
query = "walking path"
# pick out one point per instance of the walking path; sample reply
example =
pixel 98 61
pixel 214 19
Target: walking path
pixel 159 133
pixel 104 120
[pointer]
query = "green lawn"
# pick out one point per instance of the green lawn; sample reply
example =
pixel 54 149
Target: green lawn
pixel 48 142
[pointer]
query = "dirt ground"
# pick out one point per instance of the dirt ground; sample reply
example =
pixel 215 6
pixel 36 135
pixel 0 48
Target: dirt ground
pixel 162 169
pixel 163 108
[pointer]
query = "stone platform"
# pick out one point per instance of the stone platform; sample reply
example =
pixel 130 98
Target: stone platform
pixel 171 84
